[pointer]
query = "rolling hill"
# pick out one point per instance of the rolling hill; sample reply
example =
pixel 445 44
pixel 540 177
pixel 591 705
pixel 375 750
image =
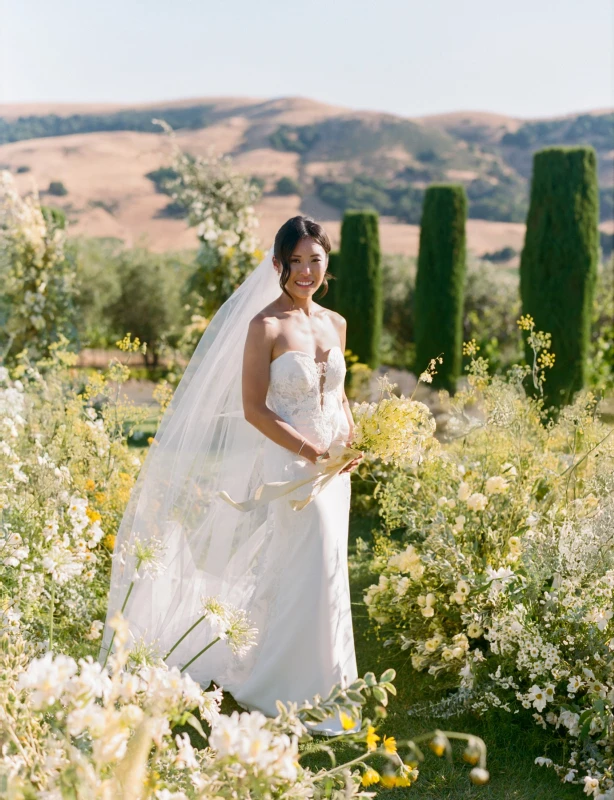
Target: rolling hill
pixel 331 158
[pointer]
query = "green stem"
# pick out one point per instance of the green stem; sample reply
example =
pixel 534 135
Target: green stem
pixel 51 610
pixel 123 608
pixel 198 655
pixel 178 642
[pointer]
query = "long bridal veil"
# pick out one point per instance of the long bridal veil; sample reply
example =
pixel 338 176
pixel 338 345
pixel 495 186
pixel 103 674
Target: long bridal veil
pixel 207 547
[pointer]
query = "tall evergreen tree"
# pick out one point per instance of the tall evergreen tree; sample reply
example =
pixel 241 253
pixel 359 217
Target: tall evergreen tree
pixel 358 293
pixel 558 266
pixel 440 282
pixel 328 300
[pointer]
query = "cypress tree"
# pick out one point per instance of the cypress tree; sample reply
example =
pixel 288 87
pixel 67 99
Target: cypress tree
pixel 328 300
pixel 358 293
pixel 440 282
pixel 558 265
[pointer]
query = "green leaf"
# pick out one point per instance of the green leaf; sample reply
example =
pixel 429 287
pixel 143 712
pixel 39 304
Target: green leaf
pixel 388 675
pixel 370 679
pixel 380 695
pixel 195 723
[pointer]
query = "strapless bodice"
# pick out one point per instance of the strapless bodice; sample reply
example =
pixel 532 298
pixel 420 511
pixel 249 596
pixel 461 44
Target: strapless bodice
pixel 307 394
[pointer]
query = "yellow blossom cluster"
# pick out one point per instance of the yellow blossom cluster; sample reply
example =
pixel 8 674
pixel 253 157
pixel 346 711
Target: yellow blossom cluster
pixel 396 430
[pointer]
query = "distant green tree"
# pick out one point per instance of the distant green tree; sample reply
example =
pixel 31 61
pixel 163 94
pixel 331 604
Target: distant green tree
pixel 148 304
pixel 440 283
pixel 558 265
pixel 328 300
pixel 287 186
pixel 358 293
pixel 57 188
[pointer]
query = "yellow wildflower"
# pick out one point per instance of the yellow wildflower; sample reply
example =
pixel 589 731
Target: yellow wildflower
pixel 526 322
pixel 438 745
pixel 369 777
pixel 90 485
pixel 347 721
pixel 372 738
pixel 109 541
pixel 93 515
pixel 391 781
pixel 390 744
pixel 100 497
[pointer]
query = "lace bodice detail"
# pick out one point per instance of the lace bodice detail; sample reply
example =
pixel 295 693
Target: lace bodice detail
pixel 307 394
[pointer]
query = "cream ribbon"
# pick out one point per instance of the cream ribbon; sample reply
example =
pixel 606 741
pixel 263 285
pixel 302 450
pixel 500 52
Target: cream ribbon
pixel 340 455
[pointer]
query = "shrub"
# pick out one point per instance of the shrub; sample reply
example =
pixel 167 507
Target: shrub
pixel 37 276
pixel 148 303
pixel 496 566
pixel 57 188
pixel 287 186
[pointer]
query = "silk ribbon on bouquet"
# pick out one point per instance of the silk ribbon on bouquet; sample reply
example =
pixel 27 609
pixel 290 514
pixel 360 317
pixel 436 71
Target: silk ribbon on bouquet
pixel 339 456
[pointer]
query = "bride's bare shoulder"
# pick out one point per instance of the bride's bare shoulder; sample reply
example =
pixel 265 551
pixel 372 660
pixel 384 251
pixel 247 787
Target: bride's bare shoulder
pixel 265 324
pixel 336 318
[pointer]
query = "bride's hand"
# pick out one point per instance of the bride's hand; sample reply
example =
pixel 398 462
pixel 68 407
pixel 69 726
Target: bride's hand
pixel 353 464
pixel 311 452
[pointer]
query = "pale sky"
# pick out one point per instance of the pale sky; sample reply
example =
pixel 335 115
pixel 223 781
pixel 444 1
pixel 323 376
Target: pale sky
pixel 526 58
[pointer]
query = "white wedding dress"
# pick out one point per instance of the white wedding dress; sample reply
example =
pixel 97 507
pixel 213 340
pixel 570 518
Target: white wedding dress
pixel 306 642
pixel 286 569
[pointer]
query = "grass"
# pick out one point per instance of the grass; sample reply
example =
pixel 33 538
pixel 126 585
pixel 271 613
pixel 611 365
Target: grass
pixel 513 742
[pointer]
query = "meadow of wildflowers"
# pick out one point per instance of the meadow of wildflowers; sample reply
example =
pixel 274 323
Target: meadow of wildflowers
pixel 130 727
pixel 495 562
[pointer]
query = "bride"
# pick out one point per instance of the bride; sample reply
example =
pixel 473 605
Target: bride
pixel 262 400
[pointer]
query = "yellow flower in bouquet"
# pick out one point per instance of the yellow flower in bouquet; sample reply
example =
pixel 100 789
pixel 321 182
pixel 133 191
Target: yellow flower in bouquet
pixel 396 430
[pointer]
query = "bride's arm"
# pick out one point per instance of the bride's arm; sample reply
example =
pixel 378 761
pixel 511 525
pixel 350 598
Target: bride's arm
pixel 341 326
pixel 255 383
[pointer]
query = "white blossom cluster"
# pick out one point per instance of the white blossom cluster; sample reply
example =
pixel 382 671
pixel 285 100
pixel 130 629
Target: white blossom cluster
pixel 38 280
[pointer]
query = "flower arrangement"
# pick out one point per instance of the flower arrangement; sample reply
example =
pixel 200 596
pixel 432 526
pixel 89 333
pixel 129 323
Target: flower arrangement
pixel 396 430
pixel 219 203
pixel 38 279
pixel 112 732
pixel 504 577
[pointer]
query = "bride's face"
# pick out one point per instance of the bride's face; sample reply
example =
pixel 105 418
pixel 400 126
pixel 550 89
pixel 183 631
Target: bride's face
pixel 307 268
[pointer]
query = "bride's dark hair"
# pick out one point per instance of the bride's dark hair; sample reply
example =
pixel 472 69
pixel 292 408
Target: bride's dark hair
pixel 286 239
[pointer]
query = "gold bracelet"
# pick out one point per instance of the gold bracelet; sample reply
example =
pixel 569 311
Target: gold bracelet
pixel 301 447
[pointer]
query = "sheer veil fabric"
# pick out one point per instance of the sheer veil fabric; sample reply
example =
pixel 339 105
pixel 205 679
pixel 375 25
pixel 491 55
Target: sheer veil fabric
pixel 203 445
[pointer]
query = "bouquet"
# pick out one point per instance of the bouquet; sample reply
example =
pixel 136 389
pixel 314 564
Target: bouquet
pixel 397 430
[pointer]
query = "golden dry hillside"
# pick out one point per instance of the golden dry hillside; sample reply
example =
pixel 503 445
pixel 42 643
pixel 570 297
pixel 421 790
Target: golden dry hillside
pixel 108 193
